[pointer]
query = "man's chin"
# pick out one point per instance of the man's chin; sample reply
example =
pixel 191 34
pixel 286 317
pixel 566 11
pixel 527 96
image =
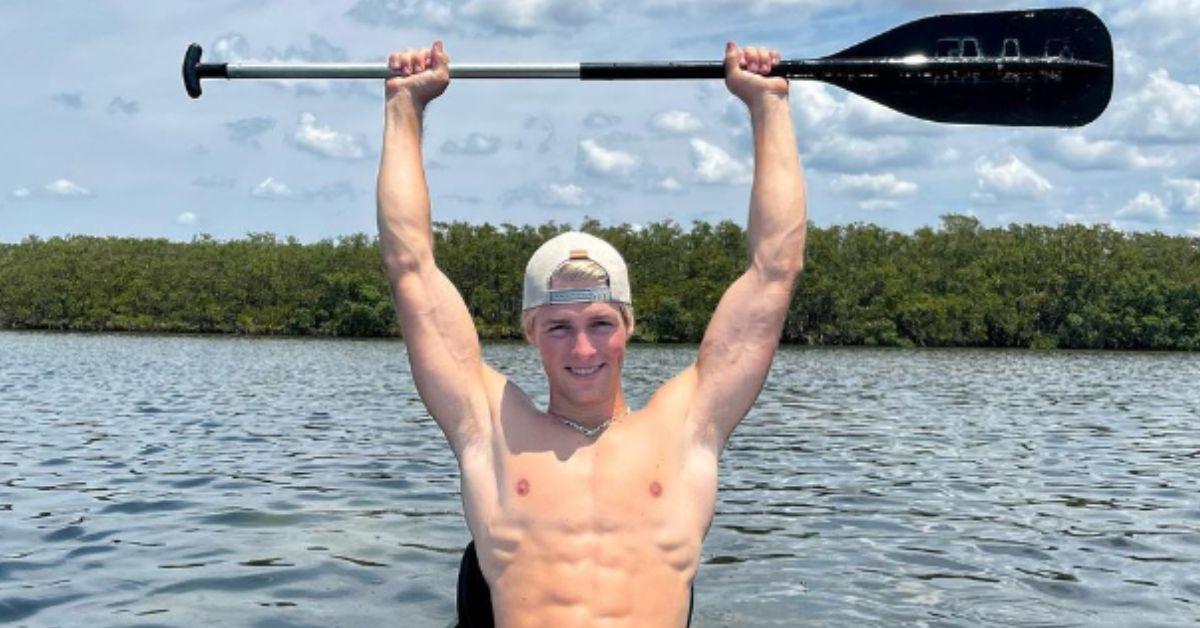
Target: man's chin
pixel 585 392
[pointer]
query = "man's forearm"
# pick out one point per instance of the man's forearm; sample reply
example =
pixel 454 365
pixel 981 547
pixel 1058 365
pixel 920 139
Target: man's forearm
pixel 405 233
pixel 778 214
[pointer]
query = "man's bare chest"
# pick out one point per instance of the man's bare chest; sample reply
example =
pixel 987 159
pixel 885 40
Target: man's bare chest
pixel 633 479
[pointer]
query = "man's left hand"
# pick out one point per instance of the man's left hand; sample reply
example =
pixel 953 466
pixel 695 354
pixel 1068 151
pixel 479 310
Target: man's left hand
pixel 746 70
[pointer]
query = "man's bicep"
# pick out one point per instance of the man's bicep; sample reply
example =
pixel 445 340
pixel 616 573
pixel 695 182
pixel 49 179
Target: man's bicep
pixel 736 353
pixel 444 353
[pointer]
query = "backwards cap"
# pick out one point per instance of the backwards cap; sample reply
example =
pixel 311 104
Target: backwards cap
pixel 563 248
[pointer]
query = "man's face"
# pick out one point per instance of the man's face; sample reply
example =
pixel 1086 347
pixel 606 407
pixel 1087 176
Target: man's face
pixel 583 349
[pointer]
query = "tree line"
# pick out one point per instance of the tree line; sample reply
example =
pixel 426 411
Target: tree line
pixel 960 284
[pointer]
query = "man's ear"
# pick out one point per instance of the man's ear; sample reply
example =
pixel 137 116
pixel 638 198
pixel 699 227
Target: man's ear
pixel 528 320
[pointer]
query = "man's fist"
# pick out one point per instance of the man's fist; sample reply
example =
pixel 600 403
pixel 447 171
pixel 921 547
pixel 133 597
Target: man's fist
pixel 422 74
pixel 745 73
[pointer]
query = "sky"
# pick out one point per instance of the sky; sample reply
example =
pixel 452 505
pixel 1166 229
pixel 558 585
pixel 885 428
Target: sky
pixel 99 137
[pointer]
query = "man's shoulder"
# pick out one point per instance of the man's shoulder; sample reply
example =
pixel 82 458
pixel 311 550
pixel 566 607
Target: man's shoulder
pixel 675 394
pixel 503 393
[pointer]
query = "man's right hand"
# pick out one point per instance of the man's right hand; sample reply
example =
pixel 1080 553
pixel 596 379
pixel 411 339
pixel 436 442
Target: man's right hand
pixel 423 75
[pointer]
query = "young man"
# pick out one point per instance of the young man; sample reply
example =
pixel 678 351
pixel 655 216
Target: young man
pixel 588 512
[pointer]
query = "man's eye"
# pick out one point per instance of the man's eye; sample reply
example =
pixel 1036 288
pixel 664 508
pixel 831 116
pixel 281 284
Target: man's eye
pixel 602 324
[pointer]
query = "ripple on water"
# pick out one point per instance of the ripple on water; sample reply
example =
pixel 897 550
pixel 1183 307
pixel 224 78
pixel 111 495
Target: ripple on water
pixel 140 507
pixel 17 608
pixel 247 518
pixel 1017 550
pixel 64 534
pixel 191 482
pixel 90 550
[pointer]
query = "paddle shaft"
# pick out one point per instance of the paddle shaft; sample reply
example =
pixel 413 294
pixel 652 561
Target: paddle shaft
pixel 980 68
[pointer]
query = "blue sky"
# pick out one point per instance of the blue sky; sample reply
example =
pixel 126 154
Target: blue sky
pixel 100 138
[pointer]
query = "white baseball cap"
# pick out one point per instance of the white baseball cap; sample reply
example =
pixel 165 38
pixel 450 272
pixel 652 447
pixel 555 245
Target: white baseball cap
pixel 559 250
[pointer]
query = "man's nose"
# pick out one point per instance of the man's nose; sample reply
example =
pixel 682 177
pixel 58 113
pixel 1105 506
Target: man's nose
pixel 583 346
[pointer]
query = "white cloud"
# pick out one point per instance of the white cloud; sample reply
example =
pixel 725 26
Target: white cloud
pixel 474 144
pixel 234 47
pixel 186 218
pixel 1010 178
pixel 948 155
pixel 326 142
pixel 527 17
pixel 813 103
pixel 564 195
pixel 67 189
pixel 1144 208
pixel 849 153
pixel 818 110
pixel 668 184
pixel 1163 111
pixel 868 185
pixel 63 189
pixel 876 191
pixel 229 48
pixel 1077 152
pixel 605 162
pixel 675 121
pixel 406 13
pixel 713 165
pixel 272 190
pixel 532 17
pixel 752 7
pixel 863 114
pixel 1186 194
pixel 1158 24
pixel 600 120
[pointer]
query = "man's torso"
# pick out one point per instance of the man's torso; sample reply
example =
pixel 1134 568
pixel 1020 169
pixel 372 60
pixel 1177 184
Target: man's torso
pixel 572 530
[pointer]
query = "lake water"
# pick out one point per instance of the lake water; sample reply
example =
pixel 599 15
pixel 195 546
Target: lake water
pixel 191 481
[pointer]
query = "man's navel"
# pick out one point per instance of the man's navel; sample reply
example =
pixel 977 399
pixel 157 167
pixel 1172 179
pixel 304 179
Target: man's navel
pixel 656 489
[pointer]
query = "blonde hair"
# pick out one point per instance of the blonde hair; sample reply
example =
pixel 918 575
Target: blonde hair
pixel 582 273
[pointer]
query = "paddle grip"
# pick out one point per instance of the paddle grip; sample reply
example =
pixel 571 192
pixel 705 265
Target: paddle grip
pixel 193 70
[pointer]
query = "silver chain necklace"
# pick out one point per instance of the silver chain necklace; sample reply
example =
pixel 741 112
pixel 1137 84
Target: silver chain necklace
pixel 588 431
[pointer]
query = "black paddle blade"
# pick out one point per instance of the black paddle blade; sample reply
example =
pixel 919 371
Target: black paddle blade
pixel 1045 67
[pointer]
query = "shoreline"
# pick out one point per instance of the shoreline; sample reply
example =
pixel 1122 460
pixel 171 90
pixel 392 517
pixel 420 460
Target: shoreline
pixel 510 341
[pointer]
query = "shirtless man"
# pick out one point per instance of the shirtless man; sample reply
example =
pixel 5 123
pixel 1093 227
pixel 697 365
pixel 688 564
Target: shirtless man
pixel 586 513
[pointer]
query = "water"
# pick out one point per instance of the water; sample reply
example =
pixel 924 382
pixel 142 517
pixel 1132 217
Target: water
pixel 185 481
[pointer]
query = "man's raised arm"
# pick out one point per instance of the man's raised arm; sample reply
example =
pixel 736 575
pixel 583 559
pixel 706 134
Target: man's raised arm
pixel 440 336
pixel 740 341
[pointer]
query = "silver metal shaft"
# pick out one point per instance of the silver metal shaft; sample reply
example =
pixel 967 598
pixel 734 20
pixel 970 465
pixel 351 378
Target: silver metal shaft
pixel 381 70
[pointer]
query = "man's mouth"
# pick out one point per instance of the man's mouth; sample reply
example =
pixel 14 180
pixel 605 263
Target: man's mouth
pixel 584 372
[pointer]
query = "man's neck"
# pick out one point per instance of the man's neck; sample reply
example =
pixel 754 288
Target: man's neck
pixel 588 415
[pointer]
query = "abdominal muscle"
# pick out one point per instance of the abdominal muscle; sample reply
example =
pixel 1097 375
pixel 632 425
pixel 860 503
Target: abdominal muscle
pixel 572 531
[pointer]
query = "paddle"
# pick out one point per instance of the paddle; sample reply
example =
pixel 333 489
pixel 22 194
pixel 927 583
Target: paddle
pixel 1043 67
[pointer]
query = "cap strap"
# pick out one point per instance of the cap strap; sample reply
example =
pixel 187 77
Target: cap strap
pixel 579 295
